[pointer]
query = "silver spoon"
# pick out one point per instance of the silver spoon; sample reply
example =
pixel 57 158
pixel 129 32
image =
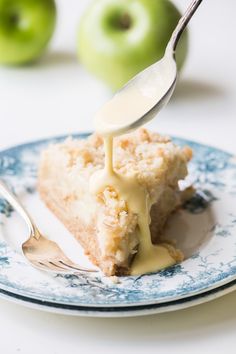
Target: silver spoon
pixel 41 252
pixel 147 93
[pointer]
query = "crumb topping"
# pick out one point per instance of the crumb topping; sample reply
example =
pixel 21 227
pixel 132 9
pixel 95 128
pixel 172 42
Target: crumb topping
pixel 142 153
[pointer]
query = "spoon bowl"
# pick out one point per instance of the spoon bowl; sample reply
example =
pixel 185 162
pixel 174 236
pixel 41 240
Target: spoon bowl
pixel 140 99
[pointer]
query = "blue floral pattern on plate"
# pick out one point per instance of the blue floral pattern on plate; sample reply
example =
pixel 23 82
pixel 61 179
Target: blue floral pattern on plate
pixel 211 265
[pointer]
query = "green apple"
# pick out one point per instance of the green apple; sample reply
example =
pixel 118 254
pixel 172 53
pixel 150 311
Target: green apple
pixel 119 38
pixel 26 26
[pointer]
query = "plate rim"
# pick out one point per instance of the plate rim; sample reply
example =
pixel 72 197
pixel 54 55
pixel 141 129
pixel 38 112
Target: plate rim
pixel 164 300
pixel 131 311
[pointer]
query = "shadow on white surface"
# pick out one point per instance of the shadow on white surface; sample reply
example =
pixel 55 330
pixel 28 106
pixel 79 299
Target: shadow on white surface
pixel 55 59
pixel 50 61
pixel 194 90
pixel 190 232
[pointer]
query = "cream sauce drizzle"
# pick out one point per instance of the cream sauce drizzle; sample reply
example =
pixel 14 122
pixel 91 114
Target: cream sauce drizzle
pixel 118 116
pixel 150 257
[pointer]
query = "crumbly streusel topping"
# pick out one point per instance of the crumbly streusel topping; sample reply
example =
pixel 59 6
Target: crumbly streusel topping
pixel 143 153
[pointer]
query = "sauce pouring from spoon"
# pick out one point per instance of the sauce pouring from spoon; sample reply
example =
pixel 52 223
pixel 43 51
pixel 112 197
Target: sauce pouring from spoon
pixel 134 105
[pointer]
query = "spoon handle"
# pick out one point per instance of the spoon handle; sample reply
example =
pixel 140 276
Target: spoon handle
pixel 14 202
pixel 182 24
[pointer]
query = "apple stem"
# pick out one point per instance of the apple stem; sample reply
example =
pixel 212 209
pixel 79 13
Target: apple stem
pixel 125 21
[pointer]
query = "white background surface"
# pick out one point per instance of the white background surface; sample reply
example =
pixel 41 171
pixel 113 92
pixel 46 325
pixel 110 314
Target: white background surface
pixel 57 96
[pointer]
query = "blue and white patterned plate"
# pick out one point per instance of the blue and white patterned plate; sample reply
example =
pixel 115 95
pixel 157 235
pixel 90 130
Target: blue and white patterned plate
pixel 205 229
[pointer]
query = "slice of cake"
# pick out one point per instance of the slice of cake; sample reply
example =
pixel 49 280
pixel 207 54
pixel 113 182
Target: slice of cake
pixel 103 223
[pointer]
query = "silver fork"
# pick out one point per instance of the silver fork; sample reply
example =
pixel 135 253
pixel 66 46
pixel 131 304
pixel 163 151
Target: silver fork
pixel 42 253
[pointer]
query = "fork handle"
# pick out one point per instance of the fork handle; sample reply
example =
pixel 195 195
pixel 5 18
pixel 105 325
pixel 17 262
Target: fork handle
pixel 14 202
pixel 182 24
